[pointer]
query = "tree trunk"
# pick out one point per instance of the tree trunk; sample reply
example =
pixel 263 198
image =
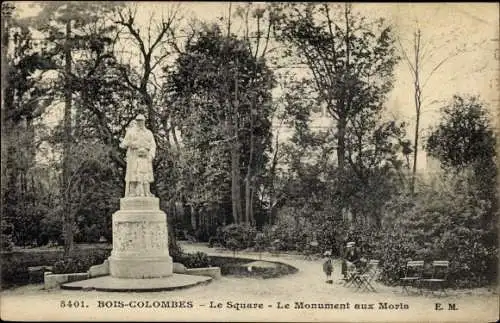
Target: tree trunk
pixel 6 13
pixel 415 154
pixel 235 181
pixel 192 215
pixel 248 178
pixel 248 199
pixel 418 103
pixel 342 123
pixel 341 142
pixel 68 213
pixel 235 154
pixel 252 199
pixel 272 194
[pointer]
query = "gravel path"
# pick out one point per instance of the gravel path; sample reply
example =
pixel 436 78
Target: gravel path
pixel 301 291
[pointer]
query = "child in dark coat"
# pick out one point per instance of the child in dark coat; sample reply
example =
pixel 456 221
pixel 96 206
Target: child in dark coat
pixel 328 267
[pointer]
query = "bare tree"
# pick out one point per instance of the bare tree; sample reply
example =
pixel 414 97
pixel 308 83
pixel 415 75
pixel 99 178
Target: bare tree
pixel 416 58
pixel 153 46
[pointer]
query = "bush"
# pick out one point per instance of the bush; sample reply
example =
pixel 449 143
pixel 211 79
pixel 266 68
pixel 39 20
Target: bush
pixel 217 239
pixel 12 269
pixel 67 266
pixel 238 236
pixel 441 224
pixel 292 231
pixel 394 251
pixel 80 265
pixel 196 260
pixel 193 260
pixel 174 249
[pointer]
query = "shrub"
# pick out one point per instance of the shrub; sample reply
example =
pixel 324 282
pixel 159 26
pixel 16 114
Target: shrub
pixel 292 233
pixel 80 265
pixel 217 239
pixel 394 251
pixel 238 236
pixel 69 265
pixel 193 260
pixel 12 269
pixel 441 224
pixel 174 249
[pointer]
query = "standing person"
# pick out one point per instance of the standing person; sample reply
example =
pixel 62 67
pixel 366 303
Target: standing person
pixel 141 149
pixel 328 266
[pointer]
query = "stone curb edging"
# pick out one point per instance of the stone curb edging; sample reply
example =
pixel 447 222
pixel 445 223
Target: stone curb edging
pixel 52 280
pixel 138 290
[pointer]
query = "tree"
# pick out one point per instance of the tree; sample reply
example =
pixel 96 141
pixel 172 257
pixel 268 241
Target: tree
pixel 59 20
pixel 351 61
pixel 420 55
pixel 26 94
pixel 464 136
pixel 154 49
pixel 464 139
pixel 258 42
pixel 220 92
pixel 7 9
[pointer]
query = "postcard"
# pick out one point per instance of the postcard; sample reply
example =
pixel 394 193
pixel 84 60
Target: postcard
pixel 256 162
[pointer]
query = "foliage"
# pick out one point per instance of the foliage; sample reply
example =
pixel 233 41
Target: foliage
pixel 351 61
pixel 441 224
pixel 238 236
pixel 80 265
pixel 27 94
pixel 6 243
pixel 219 94
pixel 464 135
pixel 464 142
pixel 193 260
pixel 291 230
pixel 13 270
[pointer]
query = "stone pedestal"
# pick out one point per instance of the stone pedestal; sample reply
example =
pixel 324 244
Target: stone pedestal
pixel 140 240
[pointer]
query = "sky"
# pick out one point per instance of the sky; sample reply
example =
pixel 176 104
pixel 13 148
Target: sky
pixel 443 26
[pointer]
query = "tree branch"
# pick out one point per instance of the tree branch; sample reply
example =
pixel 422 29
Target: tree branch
pixel 128 22
pixel 407 59
pixel 438 66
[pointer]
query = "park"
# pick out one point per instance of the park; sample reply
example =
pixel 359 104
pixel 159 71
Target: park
pixel 287 161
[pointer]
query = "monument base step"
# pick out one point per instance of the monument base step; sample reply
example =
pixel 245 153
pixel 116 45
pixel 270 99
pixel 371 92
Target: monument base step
pixel 114 284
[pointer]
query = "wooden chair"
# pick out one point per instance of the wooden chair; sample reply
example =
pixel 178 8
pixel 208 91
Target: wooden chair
pixel 439 277
pixel 413 274
pixel 371 274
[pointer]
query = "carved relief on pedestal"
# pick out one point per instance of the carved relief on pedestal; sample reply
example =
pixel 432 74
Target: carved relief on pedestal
pixel 133 236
